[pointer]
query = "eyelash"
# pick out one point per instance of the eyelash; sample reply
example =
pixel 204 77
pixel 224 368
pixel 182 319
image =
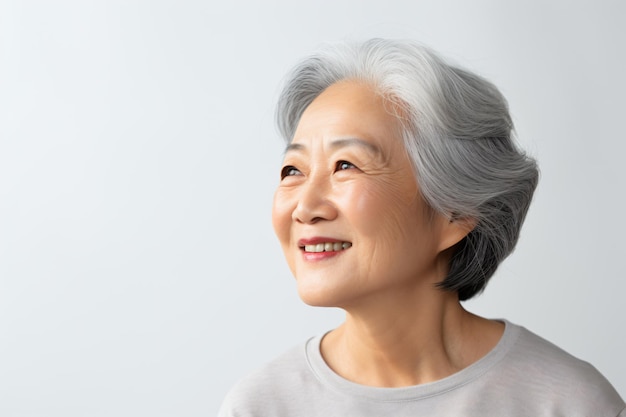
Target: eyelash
pixel 290 170
pixel 340 163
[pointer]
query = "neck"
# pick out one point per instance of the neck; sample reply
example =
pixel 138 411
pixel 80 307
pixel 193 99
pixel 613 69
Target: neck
pixel 408 340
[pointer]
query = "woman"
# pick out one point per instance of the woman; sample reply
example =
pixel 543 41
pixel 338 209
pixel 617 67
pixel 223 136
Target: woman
pixel 400 193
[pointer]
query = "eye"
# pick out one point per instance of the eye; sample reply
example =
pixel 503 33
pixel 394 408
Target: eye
pixel 289 171
pixel 343 165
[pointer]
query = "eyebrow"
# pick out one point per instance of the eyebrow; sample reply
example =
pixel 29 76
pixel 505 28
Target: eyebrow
pixel 341 143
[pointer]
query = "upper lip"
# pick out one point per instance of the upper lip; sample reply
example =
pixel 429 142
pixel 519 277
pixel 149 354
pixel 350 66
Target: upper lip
pixel 317 240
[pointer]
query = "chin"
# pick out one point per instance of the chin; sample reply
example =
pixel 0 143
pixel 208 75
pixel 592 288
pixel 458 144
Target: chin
pixel 318 297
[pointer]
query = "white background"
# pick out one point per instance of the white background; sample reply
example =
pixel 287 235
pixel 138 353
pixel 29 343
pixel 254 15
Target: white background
pixel 139 274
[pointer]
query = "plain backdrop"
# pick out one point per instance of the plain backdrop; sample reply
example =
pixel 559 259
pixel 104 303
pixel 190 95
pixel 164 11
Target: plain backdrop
pixel 139 273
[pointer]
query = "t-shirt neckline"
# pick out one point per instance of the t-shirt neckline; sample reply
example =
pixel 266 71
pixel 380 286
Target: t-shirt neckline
pixel 330 379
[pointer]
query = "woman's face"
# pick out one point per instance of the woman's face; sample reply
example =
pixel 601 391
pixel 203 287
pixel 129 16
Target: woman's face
pixel 348 212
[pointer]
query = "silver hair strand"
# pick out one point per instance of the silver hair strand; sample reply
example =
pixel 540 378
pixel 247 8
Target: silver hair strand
pixel 457 131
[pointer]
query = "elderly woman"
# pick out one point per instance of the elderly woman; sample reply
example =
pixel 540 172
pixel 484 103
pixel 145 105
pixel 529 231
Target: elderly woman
pixel 401 192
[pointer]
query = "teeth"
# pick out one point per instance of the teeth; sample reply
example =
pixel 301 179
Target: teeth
pixel 327 247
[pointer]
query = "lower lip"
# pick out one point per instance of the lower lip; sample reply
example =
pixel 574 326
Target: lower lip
pixel 320 256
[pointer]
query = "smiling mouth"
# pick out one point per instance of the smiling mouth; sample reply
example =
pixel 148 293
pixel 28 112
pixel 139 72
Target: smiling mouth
pixel 327 247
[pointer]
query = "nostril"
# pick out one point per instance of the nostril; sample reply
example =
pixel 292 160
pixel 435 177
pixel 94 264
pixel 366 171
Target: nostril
pixel 313 206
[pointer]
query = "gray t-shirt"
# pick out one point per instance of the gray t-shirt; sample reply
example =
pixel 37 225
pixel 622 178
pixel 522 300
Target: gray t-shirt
pixel 524 375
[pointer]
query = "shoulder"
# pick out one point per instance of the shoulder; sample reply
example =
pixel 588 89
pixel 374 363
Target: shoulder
pixel 550 360
pixel 553 375
pixel 259 392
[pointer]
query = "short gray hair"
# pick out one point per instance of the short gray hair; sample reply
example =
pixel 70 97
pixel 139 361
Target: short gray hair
pixel 457 131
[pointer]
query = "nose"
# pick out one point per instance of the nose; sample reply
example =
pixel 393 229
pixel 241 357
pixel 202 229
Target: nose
pixel 314 203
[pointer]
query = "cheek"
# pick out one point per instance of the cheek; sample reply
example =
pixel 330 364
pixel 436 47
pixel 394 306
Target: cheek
pixel 383 209
pixel 282 210
pixel 278 214
pixel 281 216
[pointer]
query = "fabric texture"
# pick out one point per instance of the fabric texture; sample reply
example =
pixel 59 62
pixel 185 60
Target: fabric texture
pixel 524 375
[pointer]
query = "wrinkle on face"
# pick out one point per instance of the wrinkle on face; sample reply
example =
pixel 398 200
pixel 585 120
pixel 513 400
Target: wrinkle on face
pixel 377 205
pixel 394 195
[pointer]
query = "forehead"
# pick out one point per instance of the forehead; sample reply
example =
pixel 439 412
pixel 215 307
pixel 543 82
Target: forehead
pixel 345 111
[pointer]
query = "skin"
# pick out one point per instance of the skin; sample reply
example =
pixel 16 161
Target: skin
pixel 346 177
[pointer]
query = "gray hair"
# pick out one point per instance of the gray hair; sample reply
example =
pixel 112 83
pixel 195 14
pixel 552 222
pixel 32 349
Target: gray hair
pixel 457 131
